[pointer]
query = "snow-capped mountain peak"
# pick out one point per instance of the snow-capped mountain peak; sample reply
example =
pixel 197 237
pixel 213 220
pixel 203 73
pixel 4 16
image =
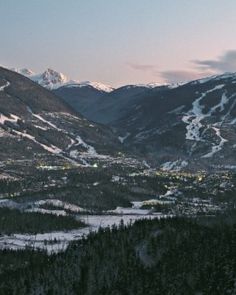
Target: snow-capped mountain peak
pixel 50 79
pixel 53 75
pixel 96 85
pixel 99 86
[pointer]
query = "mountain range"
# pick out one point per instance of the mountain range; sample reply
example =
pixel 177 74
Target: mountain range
pixel 52 79
pixel 187 126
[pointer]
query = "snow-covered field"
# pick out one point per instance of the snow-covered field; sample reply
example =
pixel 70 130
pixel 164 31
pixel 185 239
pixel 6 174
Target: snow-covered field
pixel 55 242
pixel 131 211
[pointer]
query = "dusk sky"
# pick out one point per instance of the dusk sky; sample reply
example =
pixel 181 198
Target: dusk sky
pixel 120 41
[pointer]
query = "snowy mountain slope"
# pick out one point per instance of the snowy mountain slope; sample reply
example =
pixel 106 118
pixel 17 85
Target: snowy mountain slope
pixel 35 125
pixel 194 123
pixel 82 99
pixel 107 107
pixel 50 79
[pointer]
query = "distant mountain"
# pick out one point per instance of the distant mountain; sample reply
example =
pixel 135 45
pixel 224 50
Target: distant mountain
pixel 81 99
pixel 100 106
pixel 105 107
pixel 52 79
pixel 191 126
pixel 49 79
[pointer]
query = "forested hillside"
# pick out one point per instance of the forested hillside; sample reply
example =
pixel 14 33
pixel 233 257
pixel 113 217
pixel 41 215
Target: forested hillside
pixel 167 256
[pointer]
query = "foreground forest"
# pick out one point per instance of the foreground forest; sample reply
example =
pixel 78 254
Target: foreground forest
pixel 167 256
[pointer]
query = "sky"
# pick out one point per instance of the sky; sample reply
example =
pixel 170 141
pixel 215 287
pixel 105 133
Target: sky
pixel 120 41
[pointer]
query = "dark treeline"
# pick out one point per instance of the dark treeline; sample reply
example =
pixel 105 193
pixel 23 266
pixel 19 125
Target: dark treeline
pixel 170 256
pixel 15 221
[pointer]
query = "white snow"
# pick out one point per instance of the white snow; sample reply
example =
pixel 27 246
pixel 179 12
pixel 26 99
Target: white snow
pixel 60 204
pixel 123 138
pixel 52 79
pixel 129 211
pixel 4 86
pixel 215 77
pixel 174 166
pixel 194 116
pixel 12 118
pixel 221 104
pixel 39 117
pixel 233 122
pixel 46 211
pixel 137 204
pixel 176 85
pixel 97 85
pixel 89 153
pixel 75 141
pixel 218 147
pixel 55 242
pixel 52 149
pixel 40 127
pixel 90 149
pixel 156 84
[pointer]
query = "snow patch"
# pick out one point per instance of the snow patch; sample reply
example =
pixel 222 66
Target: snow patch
pixel 174 166
pixel 96 85
pixel 4 86
pixel 218 147
pixel 55 242
pixel 52 149
pixel 12 118
pixel 194 116
pixel 123 138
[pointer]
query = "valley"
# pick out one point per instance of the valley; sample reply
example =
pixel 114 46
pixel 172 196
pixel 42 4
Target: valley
pixel 55 162
pixel 98 196
pixel 136 159
pixel 117 147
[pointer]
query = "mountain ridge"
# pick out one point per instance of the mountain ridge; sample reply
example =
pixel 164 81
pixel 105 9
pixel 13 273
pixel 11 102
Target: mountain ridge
pixel 187 126
pixel 190 126
pixel 52 79
pixel 37 126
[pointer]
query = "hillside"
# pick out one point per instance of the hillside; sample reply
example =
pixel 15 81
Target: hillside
pixel 189 126
pixel 36 126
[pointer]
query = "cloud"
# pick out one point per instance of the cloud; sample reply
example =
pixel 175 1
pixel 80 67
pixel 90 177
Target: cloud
pixel 141 67
pixel 199 68
pixel 203 68
pixel 224 63
pixel 180 76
